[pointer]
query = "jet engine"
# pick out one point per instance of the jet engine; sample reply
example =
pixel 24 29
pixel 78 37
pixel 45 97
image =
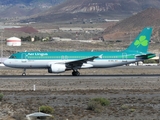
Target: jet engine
pixel 57 68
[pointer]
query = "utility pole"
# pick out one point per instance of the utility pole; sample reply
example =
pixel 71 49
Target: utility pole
pixel 158 36
pixel 1 46
pixel 130 37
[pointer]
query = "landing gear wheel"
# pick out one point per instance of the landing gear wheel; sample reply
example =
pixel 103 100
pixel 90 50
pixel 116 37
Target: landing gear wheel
pixel 76 73
pixel 24 72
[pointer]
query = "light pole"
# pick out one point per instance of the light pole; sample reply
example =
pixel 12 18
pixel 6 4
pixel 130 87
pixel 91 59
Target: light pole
pixel 1 46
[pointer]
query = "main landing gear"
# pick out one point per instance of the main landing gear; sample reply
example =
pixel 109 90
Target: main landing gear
pixel 76 73
pixel 24 72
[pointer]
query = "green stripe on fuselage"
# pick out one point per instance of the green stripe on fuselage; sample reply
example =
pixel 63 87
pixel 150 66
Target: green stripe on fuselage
pixel 67 55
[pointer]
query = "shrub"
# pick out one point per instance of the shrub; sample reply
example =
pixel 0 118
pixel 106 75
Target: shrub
pixel 132 110
pixel 94 106
pixel 1 96
pixel 97 104
pixel 102 101
pixel 46 109
pixel 124 106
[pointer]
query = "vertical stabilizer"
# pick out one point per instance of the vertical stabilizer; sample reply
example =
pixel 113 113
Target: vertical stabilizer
pixel 142 41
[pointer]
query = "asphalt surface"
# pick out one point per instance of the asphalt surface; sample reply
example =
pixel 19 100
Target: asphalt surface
pixel 88 76
pixel 77 77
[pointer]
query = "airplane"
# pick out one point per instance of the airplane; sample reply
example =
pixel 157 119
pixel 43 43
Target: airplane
pixel 61 61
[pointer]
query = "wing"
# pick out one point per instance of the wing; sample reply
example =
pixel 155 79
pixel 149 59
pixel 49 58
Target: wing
pixel 79 63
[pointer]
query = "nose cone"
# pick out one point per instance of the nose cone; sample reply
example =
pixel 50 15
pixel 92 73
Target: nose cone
pixel 6 62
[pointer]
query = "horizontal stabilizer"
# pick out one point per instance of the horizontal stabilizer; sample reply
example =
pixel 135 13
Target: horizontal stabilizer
pixel 145 56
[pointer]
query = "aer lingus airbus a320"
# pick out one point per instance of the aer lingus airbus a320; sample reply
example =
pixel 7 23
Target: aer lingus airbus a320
pixel 58 61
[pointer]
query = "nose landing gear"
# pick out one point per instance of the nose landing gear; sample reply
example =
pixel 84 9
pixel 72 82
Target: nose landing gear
pixel 76 73
pixel 24 72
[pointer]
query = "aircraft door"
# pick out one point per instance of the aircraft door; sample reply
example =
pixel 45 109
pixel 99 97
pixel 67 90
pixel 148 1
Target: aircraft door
pixel 23 58
pixel 64 58
pixel 124 57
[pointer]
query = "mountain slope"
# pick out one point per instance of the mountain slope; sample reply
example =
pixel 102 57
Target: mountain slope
pixel 105 5
pixel 87 9
pixel 148 17
pixel 29 2
pixel 23 8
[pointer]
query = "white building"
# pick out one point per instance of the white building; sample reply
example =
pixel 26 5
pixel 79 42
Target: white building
pixel 13 41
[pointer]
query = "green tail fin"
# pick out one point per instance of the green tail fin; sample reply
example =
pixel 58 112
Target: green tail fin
pixel 142 41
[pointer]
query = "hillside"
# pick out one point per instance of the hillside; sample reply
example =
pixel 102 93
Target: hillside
pixel 23 8
pixel 89 9
pixel 29 2
pixel 99 6
pixel 133 24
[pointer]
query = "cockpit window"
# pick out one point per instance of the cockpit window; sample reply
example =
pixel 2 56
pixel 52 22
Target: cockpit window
pixel 12 57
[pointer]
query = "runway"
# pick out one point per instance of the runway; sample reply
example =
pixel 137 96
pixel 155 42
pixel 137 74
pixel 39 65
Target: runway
pixel 78 77
pixel 116 72
pixel 118 67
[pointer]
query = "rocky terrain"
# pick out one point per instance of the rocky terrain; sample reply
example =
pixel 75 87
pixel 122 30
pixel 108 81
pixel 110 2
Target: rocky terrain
pixel 130 97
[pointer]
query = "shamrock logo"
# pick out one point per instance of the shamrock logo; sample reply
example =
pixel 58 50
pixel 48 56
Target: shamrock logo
pixel 142 41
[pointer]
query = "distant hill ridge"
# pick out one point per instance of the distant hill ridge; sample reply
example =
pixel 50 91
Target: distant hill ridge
pixel 149 17
pixel 131 6
pixel 23 8
pixel 27 2
pixel 88 9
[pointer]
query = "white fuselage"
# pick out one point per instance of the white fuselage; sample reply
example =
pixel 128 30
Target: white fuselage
pixel 31 64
